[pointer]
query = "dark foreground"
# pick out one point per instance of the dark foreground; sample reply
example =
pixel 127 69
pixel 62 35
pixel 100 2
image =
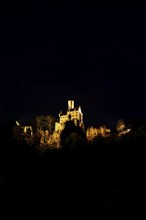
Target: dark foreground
pixel 105 178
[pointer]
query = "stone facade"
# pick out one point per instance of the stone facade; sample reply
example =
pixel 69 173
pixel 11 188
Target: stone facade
pixel 73 114
pixel 92 132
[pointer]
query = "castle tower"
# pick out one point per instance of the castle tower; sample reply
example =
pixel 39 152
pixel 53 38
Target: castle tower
pixel 70 104
pixel 73 114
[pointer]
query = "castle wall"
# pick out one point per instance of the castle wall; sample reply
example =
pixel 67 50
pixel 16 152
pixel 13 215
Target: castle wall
pixel 92 132
pixel 74 114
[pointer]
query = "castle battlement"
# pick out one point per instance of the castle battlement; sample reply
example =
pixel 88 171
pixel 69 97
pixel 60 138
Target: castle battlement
pixel 72 114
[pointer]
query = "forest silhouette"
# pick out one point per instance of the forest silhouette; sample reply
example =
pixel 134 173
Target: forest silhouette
pixel 104 177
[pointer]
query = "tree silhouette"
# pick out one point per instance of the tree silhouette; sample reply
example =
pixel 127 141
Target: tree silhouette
pixel 72 136
pixel 46 123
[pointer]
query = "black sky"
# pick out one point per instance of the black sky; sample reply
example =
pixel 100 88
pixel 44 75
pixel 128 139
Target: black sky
pixel 52 53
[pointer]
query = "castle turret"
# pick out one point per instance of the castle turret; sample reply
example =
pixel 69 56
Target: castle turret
pixel 70 104
pixel 72 114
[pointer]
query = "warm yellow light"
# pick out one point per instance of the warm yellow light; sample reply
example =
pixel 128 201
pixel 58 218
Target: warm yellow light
pixel 17 123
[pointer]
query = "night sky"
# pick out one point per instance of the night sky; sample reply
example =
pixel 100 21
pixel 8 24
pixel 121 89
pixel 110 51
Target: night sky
pixel 52 53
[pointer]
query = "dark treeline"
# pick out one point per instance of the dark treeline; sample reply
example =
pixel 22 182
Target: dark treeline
pixel 105 177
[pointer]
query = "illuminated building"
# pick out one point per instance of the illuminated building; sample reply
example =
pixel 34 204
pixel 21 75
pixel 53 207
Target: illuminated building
pixel 92 132
pixel 72 114
pixel 26 129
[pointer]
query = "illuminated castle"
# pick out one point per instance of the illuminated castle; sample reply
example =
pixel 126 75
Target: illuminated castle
pixel 73 114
